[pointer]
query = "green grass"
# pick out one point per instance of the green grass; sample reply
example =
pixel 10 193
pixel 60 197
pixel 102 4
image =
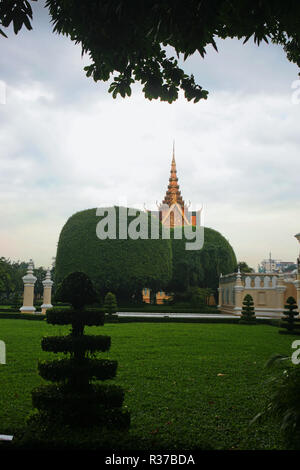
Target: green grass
pixel 170 375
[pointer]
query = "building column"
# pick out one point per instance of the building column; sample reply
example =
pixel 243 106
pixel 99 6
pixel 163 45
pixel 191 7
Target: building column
pixel 47 283
pixel 219 297
pixel 297 284
pixel 238 289
pixel 280 289
pixel 29 280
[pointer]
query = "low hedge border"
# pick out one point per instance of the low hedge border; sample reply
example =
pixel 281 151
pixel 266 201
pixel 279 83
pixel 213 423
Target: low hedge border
pixel 166 319
pixel 22 316
pixel 167 309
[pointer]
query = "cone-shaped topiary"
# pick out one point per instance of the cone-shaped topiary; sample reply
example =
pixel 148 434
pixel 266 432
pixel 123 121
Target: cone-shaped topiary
pixel 75 399
pixel 248 312
pixel 110 303
pixel 289 322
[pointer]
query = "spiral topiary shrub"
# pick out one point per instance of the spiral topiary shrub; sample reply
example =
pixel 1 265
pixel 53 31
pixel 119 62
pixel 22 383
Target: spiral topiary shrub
pixel 248 311
pixel 289 322
pixel 74 398
pixel 110 304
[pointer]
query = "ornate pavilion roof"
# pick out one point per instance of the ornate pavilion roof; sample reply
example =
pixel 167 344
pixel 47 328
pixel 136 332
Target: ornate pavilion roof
pixel 173 194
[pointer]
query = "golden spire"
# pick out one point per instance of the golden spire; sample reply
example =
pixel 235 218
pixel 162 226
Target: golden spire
pixel 173 193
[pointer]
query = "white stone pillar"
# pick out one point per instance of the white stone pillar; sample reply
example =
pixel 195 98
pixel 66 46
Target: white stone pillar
pixel 47 283
pixel 297 285
pixel 29 280
pixel 280 289
pixel 238 289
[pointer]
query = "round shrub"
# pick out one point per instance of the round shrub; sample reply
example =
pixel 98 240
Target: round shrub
pixel 77 289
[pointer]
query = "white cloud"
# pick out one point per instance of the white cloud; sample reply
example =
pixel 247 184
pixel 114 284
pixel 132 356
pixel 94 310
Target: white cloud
pixel 65 146
pixel 31 92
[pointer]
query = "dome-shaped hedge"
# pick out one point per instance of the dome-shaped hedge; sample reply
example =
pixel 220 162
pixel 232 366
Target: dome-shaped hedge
pixel 201 267
pixel 123 266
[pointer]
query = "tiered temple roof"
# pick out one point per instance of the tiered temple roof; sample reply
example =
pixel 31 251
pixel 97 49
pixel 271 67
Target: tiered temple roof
pixel 173 194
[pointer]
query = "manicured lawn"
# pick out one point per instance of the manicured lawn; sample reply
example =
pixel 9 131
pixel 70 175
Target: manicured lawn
pixel 170 374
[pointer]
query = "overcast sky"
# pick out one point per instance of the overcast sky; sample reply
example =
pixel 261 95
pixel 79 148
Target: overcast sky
pixel 66 145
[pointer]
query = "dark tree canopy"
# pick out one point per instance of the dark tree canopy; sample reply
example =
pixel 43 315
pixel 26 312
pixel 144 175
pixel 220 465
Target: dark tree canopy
pixel 18 12
pixel 244 268
pixel 127 41
pixel 11 283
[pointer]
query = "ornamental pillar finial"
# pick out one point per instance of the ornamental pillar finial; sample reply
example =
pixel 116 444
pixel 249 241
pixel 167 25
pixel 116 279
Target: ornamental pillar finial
pixel 29 280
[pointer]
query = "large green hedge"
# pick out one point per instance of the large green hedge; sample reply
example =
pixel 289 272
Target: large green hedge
pixel 201 267
pixel 126 266
pixel 123 266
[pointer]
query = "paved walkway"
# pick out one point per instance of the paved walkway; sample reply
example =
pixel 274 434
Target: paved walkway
pixel 178 315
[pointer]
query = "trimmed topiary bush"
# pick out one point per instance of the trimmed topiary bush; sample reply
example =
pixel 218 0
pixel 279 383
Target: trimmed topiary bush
pixel 248 311
pixel 73 398
pixel 193 298
pixel 110 303
pixel 289 322
pixel 201 268
pixel 77 289
pixel 124 266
